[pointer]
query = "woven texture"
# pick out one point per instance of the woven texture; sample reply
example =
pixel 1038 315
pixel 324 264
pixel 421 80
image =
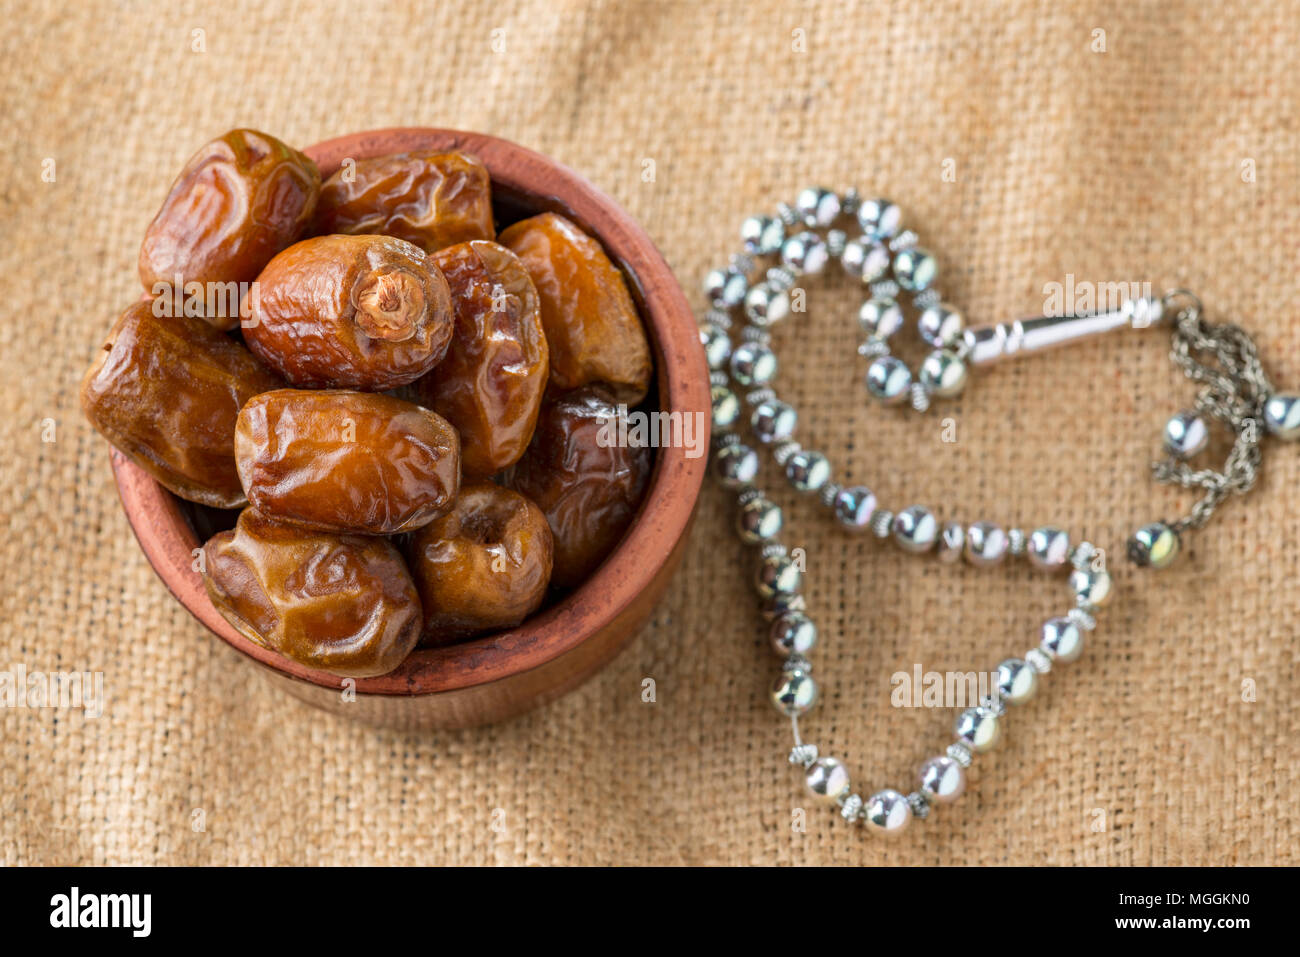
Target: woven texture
pixel 1023 154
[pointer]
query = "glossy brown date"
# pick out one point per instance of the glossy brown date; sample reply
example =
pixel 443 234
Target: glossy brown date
pixel 351 312
pixel 239 200
pixel 346 461
pixel 591 323
pixel 345 604
pixel 490 384
pixel 166 391
pixel 428 198
pixel 588 486
pixel 483 566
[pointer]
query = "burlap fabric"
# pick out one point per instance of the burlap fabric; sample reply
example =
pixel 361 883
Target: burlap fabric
pixel 1031 143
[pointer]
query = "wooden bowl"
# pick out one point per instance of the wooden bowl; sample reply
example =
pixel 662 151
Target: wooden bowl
pixel 505 674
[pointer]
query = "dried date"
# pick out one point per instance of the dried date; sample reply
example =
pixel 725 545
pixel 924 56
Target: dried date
pixel 239 201
pixel 351 312
pixel 591 323
pixel 587 486
pixel 484 566
pixel 346 461
pixel 166 390
pixel 428 198
pixel 345 604
pixel 490 385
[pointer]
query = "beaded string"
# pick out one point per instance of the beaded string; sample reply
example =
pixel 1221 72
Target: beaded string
pixel 893 266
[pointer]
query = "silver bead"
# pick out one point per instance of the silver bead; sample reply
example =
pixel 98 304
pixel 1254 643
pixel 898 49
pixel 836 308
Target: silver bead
pixel 828 780
pixel 959 753
pixel 829 494
pixel 1155 545
pixel 735 465
pixel 784 451
pixel 854 507
pixel 762 234
pixel 942 779
pixel 1049 547
pixel 793 634
pixel 1017 681
pixel 726 287
pixel 920 805
pixel 952 541
pixel 717 345
pixel 797 663
pixel 1061 640
pixel 889 379
pixel 794 693
pixel 760 520
pixel 765 304
pixel 773 421
pixel 1016 541
pixel 879 218
pixel 753 363
pixel 803 754
pixel 864 259
pixel 726 407
pixel 1185 434
pixel 920 397
pixel 994 703
pixel 714 281
pixel 1040 662
pixel 943 373
pixel 1282 416
pixel 887 812
pixel 986 544
pixel 915 268
pixel 851 808
pixel 1081 618
pixel 807 471
pixel 805 253
pixel 778 605
pixel 1091 585
pixel 915 528
pixel 880 317
pixel 978 729
pixel 882 523
pixel 1083 554
pixel 941 325
pixel 777 575
pixel 817 206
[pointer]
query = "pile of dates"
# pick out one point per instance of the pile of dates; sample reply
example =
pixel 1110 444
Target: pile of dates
pixel 406 406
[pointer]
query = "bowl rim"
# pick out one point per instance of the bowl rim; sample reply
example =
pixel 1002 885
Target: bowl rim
pixel 663 518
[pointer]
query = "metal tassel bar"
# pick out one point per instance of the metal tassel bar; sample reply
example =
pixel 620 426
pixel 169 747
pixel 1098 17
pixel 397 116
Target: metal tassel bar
pixel 990 343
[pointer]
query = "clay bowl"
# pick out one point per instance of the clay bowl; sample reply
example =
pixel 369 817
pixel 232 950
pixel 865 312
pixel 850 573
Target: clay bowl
pixel 505 674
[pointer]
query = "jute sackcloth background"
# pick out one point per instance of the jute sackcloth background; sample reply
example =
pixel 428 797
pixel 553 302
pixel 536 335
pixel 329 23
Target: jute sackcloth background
pixel 1030 143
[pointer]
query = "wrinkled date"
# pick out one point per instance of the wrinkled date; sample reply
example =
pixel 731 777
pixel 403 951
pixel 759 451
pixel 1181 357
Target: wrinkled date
pixel 592 326
pixel 351 312
pixel 345 604
pixel 490 384
pixel 588 487
pixel 239 200
pixel 483 566
pixel 346 461
pixel 427 198
pixel 166 391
